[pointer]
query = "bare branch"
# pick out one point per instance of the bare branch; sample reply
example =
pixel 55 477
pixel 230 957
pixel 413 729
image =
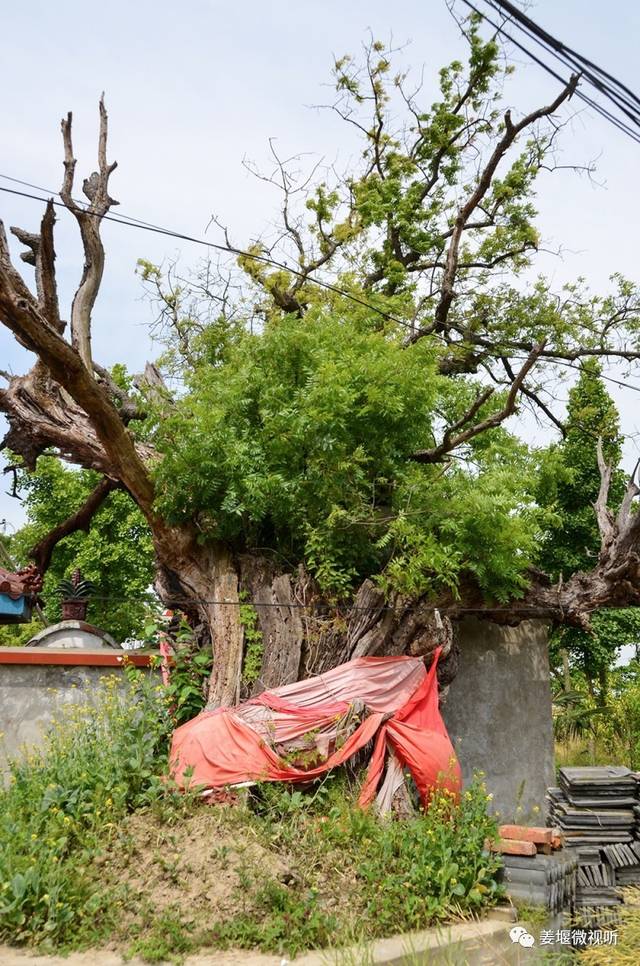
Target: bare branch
pixel 152 383
pixel 96 190
pixel 452 439
pixel 633 490
pixel 80 520
pixel 102 430
pixel 535 398
pixel 42 256
pixel 603 514
pixel 465 212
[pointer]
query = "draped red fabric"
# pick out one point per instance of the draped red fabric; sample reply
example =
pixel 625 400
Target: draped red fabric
pixel 399 701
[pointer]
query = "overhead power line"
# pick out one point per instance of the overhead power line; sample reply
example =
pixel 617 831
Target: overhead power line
pixel 613 89
pixel 620 97
pixel 130 222
pixel 229 249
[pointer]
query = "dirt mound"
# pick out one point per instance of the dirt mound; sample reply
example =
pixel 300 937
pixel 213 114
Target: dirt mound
pixel 201 863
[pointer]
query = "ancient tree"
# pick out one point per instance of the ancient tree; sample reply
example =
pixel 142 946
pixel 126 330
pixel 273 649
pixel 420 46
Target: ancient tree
pixel 339 457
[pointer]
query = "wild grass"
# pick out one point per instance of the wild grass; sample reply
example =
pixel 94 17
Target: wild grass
pixel 75 811
pixel 62 806
pixel 626 951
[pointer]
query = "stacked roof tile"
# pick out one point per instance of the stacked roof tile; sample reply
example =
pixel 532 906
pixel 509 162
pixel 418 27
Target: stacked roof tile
pixel 597 810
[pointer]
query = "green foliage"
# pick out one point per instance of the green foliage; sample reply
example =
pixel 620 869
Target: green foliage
pixel 402 875
pixel 17 635
pixel 296 434
pixel 302 409
pixel 591 415
pixel 253 644
pixel 620 727
pixel 166 939
pixel 595 653
pixel 570 482
pixel 627 932
pixel 61 809
pixel 70 589
pixel 115 555
pixel 188 681
pixel 593 732
pixel 186 691
pixel 300 440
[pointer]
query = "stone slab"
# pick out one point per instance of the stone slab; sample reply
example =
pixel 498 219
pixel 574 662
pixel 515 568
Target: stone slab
pixel 498 713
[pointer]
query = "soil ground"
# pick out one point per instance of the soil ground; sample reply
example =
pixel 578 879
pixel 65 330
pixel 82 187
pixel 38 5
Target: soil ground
pixel 195 868
pixel 97 957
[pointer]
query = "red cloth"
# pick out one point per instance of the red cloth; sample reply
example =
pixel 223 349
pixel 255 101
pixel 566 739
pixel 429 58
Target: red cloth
pixel 233 745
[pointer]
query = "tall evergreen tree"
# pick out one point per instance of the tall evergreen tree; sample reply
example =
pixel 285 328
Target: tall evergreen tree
pixel 574 542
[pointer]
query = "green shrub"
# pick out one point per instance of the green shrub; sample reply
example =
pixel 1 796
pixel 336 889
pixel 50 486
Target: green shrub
pixel 62 806
pixel 187 688
pixel 400 875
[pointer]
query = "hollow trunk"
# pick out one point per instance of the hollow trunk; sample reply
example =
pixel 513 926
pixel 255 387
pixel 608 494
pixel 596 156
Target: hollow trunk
pixel 301 634
pixel 202 581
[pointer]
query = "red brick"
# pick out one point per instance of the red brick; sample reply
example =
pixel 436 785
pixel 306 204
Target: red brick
pixel 527 833
pixel 511 847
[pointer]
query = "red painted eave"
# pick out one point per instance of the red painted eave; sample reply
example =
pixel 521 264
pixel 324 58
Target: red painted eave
pixel 73 656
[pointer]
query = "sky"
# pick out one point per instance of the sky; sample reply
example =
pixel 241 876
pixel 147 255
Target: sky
pixel 194 88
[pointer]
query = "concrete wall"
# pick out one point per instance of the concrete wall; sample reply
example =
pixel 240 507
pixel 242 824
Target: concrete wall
pixel 498 712
pixel 35 685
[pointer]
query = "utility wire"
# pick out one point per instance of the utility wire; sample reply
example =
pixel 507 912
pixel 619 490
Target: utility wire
pixel 625 102
pixel 229 249
pixel 318 605
pixel 147 226
pixel 131 222
pixel 621 95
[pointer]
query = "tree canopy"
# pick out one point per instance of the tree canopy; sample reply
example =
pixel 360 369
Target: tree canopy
pixel 572 542
pixel 342 431
pixel 115 553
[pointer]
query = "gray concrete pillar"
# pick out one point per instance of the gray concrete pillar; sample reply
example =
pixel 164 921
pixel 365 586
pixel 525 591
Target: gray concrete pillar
pixel 498 712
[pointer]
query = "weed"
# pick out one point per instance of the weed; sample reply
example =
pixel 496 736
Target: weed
pixel 165 939
pixel 62 806
pixel 304 867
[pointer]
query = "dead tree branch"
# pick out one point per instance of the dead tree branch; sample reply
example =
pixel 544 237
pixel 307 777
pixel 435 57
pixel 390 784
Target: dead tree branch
pixel 42 551
pixel 60 403
pixel 95 188
pixel 603 514
pixel 42 256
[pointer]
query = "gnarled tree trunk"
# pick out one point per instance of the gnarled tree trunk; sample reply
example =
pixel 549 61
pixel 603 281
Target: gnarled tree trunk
pixel 69 404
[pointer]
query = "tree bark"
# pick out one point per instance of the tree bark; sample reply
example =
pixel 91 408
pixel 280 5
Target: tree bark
pixel 69 405
pixel 202 581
